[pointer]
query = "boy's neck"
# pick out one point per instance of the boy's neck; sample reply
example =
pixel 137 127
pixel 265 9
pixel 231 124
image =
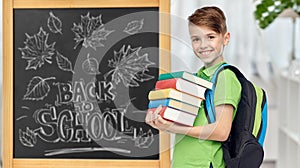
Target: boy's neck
pixel 216 61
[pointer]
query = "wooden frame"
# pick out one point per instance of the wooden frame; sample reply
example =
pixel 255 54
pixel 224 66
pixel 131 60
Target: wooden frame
pixel 8 6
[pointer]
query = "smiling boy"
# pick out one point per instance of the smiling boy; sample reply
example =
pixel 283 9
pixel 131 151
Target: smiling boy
pixel 200 146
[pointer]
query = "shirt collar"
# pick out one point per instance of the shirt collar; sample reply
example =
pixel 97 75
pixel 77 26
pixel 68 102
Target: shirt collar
pixel 210 70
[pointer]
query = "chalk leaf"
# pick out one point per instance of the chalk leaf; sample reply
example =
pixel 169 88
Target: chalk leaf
pixel 37 51
pixel 134 26
pixel 129 67
pixel 63 63
pixel 54 23
pixel 90 66
pixel 27 138
pixel 37 89
pixel 90 32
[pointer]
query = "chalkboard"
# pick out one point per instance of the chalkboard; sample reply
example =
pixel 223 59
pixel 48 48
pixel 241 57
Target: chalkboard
pixel 81 78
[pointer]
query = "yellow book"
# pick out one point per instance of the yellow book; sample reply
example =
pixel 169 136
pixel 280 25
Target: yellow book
pixel 175 94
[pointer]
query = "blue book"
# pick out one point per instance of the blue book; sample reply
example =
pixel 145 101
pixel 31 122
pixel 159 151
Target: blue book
pixel 174 104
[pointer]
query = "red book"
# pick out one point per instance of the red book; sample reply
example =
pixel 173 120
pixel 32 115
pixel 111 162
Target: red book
pixel 183 86
pixel 176 116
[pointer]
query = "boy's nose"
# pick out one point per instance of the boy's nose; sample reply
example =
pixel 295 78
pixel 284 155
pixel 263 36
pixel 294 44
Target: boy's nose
pixel 203 44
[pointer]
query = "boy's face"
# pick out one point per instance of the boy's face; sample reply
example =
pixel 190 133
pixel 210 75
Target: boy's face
pixel 207 44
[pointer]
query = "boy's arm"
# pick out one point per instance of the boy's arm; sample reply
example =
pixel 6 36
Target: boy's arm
pixel 217 131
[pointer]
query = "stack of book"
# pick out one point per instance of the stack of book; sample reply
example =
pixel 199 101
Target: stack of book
pixel 180 94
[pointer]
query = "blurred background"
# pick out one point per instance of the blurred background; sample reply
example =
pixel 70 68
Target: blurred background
pixel 265 48
pixel 264 44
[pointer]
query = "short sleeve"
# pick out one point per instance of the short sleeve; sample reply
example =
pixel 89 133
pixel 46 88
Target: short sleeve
pixel 228 89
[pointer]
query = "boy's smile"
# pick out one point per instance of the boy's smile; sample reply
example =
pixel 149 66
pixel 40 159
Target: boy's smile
pixel 207 44
pixel 205 52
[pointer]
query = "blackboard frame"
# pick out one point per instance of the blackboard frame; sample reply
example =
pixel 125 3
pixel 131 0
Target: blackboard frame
pixel 164 60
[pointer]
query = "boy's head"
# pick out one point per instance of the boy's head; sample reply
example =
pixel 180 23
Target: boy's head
pixel 211 17
pixel 208 32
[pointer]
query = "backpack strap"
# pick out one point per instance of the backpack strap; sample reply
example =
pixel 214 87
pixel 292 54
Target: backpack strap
pixel 209 94
pixel 263 130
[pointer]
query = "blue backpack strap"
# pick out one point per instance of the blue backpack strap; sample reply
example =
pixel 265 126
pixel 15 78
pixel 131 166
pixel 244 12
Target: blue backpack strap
pixel 264 120
pixel 209 95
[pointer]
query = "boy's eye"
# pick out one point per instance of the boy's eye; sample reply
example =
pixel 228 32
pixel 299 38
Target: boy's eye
pixel 211 37
pixel 195 39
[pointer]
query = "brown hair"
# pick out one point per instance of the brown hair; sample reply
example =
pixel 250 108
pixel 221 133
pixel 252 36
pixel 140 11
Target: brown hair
pixel 211 16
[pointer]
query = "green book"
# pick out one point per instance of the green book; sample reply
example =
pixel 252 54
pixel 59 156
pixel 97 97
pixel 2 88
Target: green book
pixel 187 76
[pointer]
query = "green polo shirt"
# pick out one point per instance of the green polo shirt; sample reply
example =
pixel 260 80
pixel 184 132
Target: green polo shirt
pixel 192 152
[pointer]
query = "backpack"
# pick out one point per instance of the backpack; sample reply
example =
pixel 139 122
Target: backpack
pixel 244 146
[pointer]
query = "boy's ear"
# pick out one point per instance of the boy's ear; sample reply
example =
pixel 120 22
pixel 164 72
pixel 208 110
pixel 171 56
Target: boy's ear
pixel 226 38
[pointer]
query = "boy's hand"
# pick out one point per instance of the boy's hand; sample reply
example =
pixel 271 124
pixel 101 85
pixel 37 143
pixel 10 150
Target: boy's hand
pixel 156 121
pixel 151 116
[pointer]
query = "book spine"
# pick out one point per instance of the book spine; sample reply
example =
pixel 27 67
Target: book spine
pixel 159 94
pixel 164 84
pixel 156 103
pixel 170 75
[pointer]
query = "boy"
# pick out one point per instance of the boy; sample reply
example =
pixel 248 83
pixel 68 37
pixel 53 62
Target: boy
pixel 200 146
